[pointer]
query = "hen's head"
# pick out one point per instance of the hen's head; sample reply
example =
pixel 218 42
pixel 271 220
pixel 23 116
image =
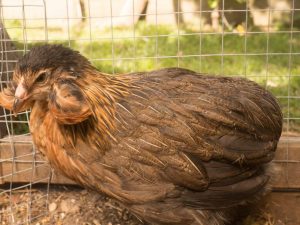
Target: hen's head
pixel 42 67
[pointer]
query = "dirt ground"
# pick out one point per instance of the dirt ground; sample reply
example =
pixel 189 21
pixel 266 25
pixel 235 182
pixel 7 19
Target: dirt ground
pixel 79 206
pixel 69 205
pixel 66 206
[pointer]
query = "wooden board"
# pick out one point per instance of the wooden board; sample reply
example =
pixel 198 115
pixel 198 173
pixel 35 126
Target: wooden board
pixel 287 160
pixel 284 207
pixel 20 163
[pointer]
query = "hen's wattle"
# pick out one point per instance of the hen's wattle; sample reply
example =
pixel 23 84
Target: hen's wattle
pixel 172 145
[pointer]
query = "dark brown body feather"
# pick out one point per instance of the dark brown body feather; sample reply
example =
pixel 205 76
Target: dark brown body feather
pixel 173 146
pixel 180 141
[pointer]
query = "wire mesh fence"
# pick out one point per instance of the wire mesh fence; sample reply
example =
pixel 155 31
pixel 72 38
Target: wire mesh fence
pixel 259 40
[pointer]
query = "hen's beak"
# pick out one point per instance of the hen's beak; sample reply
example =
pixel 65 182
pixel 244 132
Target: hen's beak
pixel 20 96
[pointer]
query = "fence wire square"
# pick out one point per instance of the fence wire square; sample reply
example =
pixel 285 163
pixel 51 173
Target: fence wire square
pixel 227 37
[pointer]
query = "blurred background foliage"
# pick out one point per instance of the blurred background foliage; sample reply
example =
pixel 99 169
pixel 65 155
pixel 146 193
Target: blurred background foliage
pixel 237 42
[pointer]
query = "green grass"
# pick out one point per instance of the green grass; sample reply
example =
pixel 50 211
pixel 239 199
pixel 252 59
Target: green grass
pixel 146 51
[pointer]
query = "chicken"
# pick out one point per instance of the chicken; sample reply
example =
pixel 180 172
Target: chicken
pixel 171 145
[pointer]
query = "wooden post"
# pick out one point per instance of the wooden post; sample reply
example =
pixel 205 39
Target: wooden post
pixel 8 56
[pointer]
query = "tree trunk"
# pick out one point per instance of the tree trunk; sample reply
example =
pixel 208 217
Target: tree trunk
pixel 178 12
pixel 130 11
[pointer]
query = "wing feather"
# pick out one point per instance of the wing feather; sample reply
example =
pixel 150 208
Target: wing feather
pixel 216 136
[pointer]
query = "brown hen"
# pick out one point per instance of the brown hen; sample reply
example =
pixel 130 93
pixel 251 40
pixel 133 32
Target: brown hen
pixel 172 145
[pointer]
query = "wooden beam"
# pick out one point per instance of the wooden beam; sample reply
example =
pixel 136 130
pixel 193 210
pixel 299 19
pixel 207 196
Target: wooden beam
pixel 287 161
pixel 20 163
pixel 8 55
pixel 284 208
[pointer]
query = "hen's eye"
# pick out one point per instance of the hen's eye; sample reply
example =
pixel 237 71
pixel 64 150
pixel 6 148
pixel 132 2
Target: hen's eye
pixel 41 78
